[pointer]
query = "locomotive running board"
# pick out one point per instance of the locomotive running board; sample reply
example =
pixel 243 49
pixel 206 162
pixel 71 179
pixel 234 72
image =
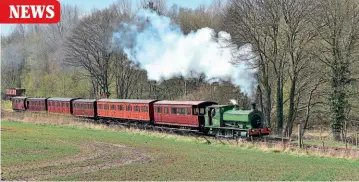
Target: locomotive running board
pixel 227 128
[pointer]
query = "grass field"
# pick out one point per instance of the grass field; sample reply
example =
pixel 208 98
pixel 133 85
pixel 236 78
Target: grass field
pixel 49 152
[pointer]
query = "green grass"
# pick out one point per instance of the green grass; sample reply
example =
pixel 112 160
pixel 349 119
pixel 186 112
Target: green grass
pixel 6 105
pixel 327 143
pixel 37 152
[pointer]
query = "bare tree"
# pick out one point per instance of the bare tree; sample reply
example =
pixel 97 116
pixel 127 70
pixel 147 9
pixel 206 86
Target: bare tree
pixel 338 49
pixel 257 22
pixel 126 75
pixel 90 47
pixel 159 6
pixel 298 40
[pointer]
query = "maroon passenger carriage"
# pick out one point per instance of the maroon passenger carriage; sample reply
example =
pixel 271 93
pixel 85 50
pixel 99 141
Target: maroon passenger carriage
pixel 36 104
pixel 19 103
pixel 84 108
pixel 180 113
pixel 60 105
pixel 130 109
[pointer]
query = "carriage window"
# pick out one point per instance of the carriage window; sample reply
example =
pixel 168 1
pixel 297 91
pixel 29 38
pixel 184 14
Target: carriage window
pixel 159 109
pixel 53 103
pixel 174 110
pixel 181 110
pixel 166 110
pixel 144 109
pixel 201 111
pixel 100 106
pixel 119 107
pixel 106 107
pixel 122 108
pixel 113 107
pixel 128 108
pixel 67 104
pixel 195 111
pixel 188 111
pixel 58 104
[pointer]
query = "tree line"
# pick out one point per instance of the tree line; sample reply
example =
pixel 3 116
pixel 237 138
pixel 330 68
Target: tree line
pixel 306 55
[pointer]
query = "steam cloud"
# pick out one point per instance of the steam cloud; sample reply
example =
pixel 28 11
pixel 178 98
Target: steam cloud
pixel 165 51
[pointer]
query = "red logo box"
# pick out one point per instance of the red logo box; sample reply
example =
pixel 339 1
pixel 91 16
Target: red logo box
pixel 30 11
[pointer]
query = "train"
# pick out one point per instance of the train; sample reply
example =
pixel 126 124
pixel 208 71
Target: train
pixel 206 117
pixel 13 92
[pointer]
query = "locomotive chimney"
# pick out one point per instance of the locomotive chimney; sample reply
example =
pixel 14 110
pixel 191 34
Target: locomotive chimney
pixel 254 106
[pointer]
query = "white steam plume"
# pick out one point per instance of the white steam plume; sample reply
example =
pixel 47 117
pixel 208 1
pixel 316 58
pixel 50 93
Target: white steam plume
pixel 164 51
pixel 233 101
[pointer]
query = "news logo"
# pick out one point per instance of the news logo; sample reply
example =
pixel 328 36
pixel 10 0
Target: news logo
pixel 30 11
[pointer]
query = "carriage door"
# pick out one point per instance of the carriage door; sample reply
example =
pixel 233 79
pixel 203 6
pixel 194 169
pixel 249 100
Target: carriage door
pixel 159 113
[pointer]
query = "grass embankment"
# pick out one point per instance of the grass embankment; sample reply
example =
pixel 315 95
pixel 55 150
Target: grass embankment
pixel 47 152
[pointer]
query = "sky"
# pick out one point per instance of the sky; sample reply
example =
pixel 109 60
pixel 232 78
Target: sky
pixel 87 5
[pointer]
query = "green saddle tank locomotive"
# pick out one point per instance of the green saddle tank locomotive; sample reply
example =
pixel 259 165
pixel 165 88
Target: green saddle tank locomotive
pixel 230 121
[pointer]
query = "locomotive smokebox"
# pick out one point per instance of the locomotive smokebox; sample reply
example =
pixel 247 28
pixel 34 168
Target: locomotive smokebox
pixel 254 106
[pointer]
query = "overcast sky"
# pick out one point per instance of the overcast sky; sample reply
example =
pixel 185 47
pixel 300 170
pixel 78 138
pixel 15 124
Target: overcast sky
pixel 87 5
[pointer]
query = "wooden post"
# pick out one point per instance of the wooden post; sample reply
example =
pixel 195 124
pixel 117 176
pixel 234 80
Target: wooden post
pixel 299 136
pixel 345 136
pixel 321 130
